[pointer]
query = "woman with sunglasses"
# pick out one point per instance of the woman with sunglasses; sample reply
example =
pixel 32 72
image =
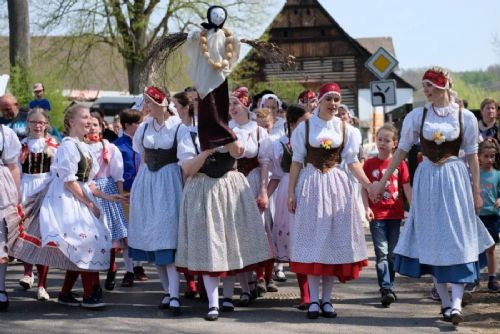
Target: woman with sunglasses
pixel 326 236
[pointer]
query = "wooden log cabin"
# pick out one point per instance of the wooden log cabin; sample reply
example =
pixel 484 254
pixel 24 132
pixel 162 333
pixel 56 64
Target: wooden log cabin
pixel 324 52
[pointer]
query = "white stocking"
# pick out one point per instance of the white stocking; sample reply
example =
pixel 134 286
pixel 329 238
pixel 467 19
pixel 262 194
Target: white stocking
pixel 173 280
pixel 442 289
pixel 212 287
pixel 457 292
pixel 313 282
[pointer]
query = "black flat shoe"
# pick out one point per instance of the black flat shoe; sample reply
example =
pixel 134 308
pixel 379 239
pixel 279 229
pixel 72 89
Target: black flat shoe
pixel 110 282
pixel 164 306
pixel 328 314
pixel 4 306
pixel 212 316
pixel 227 308
pixel 312 314
pixel 445 311
pixel 175 310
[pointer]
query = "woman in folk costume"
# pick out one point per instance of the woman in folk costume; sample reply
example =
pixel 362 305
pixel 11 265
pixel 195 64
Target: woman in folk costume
pixel 327 237
pixel 254 164
pixel 156 194
pixel 63 226
pixel 37 152
pixel 281 160
pixel 442 236
pixel 10 196
pixel 221 232
pixel 109 179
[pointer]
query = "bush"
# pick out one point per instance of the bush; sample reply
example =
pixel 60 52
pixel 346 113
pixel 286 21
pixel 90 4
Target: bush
pixel 20 85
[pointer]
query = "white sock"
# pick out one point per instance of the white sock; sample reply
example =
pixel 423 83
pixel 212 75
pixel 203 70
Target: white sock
pixel 173 280
pixel 313 282
pixel 129 265
pixel 279 266
pixel 243 279
pixel 327 288
pixel 442 289
pixel 212 287
pixel 162 274
pixel 3 271
pixel 228 286
pixel 457 292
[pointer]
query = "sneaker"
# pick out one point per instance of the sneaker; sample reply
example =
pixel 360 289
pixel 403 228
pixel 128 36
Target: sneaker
pixel 92 303
pixel 494 286
pixel 109 284
pixel 139 273
pixel 27 281
pixel 261 287
pixel 128 280
pixel 434 294
pixel 68 299
pixel 388 297
pixel 271 286
pixel 42 294
pixel 280 276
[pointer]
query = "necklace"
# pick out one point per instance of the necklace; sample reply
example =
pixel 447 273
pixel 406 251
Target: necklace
pixel 229 50
pixel 437 114
pixel 160 126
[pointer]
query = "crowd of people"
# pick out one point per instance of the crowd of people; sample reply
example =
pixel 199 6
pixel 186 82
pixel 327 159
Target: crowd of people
pixel 293 186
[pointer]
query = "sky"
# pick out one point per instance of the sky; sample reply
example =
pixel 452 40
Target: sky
pixel 456 34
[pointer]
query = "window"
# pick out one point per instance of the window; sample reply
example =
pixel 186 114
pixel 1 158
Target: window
pixel 337 66
pixel 323 32
pixel 285 33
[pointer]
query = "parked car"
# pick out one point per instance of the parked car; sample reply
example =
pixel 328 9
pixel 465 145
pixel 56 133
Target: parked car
pixel 112 105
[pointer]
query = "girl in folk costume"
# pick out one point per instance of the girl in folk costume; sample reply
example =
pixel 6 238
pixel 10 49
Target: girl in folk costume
pixel 37 152
pixel 326 237
pixel 254 164
pixel 156 194
pixel 309 100
pixel 109 179
pixel 221 232
pixel 273 103
pixel 281 160
pixel 442 235
pixel 10 196
pixel 63 226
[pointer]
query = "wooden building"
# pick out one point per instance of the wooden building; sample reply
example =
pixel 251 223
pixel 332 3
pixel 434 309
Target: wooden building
pixel 323 50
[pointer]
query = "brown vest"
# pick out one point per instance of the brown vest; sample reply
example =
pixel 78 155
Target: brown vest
pixel 440 153
pixel 320 157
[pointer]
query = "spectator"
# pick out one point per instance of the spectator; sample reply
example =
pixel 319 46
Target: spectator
pixel 39 101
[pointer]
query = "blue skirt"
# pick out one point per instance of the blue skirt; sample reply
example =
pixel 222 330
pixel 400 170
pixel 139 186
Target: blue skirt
pixel 458 273
pixel 160 257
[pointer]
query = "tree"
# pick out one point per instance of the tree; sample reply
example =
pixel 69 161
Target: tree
pixel 131 27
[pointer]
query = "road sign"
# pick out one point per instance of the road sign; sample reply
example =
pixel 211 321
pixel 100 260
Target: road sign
pixel 383 93
pixel 381 63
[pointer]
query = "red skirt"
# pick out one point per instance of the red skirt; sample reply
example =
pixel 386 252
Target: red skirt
pixel 222 274
pixel 344 272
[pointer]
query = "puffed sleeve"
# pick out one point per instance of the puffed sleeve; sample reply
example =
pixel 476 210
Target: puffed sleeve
pixel 298 143
pixel 137 140
pixel 350 151
pixel 471 132
pixel 265 147
pixel 411 130
pixel 185 146
pixel 12 146
pixel 67 158
pixel 116 164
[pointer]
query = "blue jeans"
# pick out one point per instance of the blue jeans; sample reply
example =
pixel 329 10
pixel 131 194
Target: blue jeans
pixel 385 235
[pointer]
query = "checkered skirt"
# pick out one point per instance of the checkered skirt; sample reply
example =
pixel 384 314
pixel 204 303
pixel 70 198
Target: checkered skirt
pixel 114 215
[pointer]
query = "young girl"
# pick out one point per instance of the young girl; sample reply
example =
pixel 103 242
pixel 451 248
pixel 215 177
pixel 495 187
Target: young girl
pixel 109 179
pixel 9 198
pixel 281 159
pixel 37 152
pixel 385 216
pixel 490 192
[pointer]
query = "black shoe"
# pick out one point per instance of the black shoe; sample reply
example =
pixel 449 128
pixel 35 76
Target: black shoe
pixel 139 273
pixel 190 294
pixel 175 310
pixel 445 311
pixel 97 292
pixel 68 299
pixel 212 316
pixel 244 302
pixel 327 314
pixel 164 305
pixel 388 297
pixel 109 284
pixel 92 303
pixel 227 308
pixel 128 280
pixel 312 314
pixel 4 306
pixel 456 316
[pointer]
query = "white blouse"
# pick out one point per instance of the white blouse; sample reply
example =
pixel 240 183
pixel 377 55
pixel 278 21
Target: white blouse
pixel 205 77
pixel 320 130
pixel 279 128
pixel 163 137
pixel 444 120
pixel 114 167
pixel 276 153
pixel 65 164
pixel 10 145
pixel 247 134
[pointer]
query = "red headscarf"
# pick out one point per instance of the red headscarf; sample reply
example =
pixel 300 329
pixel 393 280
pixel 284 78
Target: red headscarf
pixel 157 95
pixel 437 79
pixel 328 89
pixel 243 96
pixel 306 96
